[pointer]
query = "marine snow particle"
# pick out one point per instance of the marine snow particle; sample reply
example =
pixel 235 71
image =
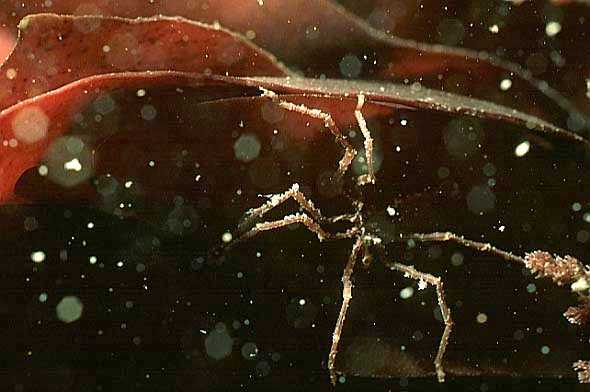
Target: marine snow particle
pixel 30 125
pixel 218 343
pixel 247 147
pixel 69 309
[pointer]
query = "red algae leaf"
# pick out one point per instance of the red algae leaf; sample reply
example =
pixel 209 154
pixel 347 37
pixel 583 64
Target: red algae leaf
pixel 318 40
pixel 30 127
pixel 55 50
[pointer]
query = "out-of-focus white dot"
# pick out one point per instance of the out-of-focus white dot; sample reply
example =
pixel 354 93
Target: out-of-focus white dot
pixel 482 318
pixel 505 84
pixel 350 66
pixel 69 309
pixel 148 112
pixel 522 149
pixel 92 259
pixel 11 73
pixel 38 256
pixel 494 29
pixel 106 48
pixel 552 28
pixel 226 237
pixel 42 297
pixel 247 148
pixel 141 92
pixel 406 293
pixel 30 125
pixel 302 301
pixel 545 350
pixel 43 170
pixel 249 350
pixel 90 225
pixel 218 343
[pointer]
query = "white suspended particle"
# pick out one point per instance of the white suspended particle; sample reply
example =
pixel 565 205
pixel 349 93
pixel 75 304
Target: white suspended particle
pixel 43 297
pixel 38 256
pixel 502 228
pixel 552 28
pixel 406 293
pixel 391 211
pixel 482 318
pixel 302 301
pixel 128 184
pixel 141 93
pixel 494 29
pixel 90 225
pixel 505 84
pixel 403 122
pixel 11 73
pixel 92 259
pixel 522 149
pixel 73 165
pixel 226 237
pixel 69 309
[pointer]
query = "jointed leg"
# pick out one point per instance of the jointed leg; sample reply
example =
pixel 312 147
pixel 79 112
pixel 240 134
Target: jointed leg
pixel 277 199
pixel 346 296
pixel 304 219
pixel 368 178
pixel 447 236
pixel 411 272
pixel 349 151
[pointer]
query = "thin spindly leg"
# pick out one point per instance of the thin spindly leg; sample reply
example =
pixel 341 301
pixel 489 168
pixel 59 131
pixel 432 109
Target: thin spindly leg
pixel 411 272
pixel 346 296
pixel 277 199
pixel 480 246
pixel 301 218
pixel 368 178
pixel 295 194
pixel 349 151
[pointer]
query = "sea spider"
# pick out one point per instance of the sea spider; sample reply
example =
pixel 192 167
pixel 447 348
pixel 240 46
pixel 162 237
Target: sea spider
pixel 364 241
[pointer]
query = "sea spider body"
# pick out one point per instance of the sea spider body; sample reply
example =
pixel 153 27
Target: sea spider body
pixel 364 241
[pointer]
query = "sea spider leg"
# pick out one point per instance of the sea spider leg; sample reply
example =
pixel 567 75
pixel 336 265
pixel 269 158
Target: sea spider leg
pixel 368 178
pixel 448 236
pixel 349 151
pixel 346 296
pixel 411 272
pixel 302 218
pixel 277 199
